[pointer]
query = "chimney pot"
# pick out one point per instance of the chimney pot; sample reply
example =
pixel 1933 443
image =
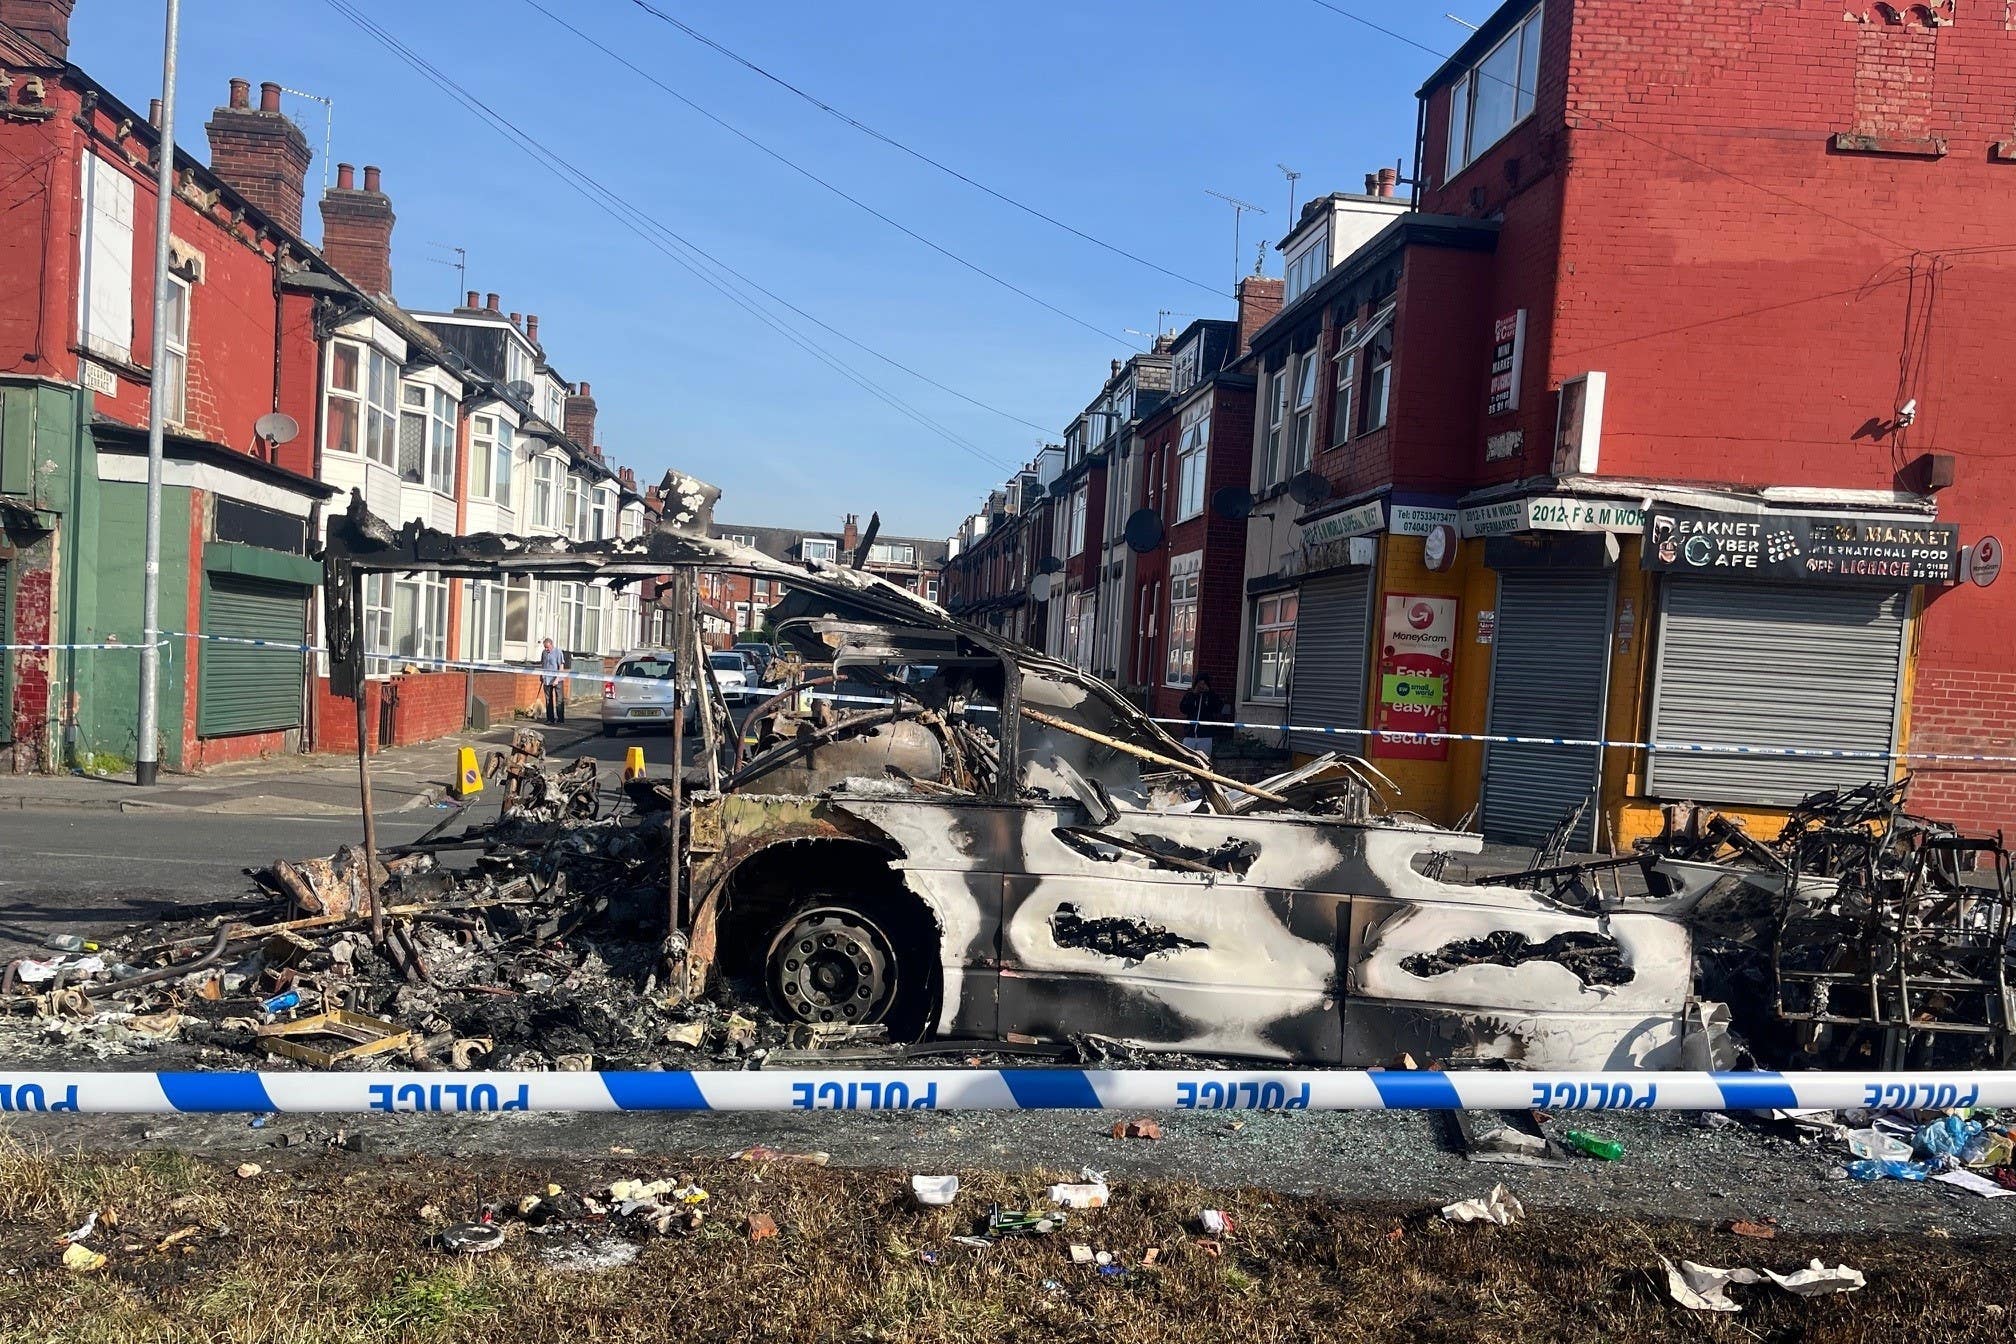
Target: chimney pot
pixel 346 177
pixel 265 159
pixel 357 230
pixel 241 93
pixel 517 319
pixel 269 97
pixel 585 392
pixel 154 113
pixel 1371 184
pixel 1389 178
pixel 46 23
pixel 532 327
pixel 491 300
pixel 470 299
pixel 371 178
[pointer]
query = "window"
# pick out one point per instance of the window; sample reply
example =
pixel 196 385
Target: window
pixel 556 406
pixel 420 617
pixel 1183 573
pixel 573 519
pixel 1188 368
pixel 1273 667
pixel 593 600
pixel 931 590
pixel 818 548
pixel 1488 101
pixel 1347 383
pixel 377 617
pixel 171 380
pixel 441 444
pixel 363 414
pixel 105 257
pixel 892 553
pixel 493 443
pixel 1075 536
pixel 427 437
pixel 1192 456
pixel 518 609
pixel 545 491
pixel 1378 379
pixel 1306 268
pixel 1305 413
pixel 570 615
pixel 739 538
pixel 1277 415
pixel 486 622
pixel 517 364
pixel 605 511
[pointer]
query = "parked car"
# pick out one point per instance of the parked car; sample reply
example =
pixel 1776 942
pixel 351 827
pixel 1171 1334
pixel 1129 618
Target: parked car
pixel 639 692
pixel 733 675
pixel 760 656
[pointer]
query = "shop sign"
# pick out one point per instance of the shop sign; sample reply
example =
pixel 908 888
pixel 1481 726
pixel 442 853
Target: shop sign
pixel 1354 522
pixel 1504 447
pixel 1508 362
pixel 1416 661
pixel 1984 562
pixel 1418 520
pixel 1801 547
pixel 1487 627
pixel 1553 513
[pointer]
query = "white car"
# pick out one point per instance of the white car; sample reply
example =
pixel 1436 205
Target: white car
pixel 733 675
pixel 639 692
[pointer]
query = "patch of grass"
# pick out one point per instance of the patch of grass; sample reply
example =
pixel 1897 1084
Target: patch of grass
pixel 327 1249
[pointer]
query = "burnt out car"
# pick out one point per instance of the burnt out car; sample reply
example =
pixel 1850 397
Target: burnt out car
pixel 981 841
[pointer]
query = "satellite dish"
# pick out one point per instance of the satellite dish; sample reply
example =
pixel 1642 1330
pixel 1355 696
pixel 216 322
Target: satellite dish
pixel 1144 531
pixel 277 428
pixel 1308 489
pixel 1050 564
pixel 1233 501
pixel 1040 586
pixel 520 389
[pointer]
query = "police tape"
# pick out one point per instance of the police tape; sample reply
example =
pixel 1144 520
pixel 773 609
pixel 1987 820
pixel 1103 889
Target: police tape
pixel 68 648
pixel 1312 730
pixel 992 1090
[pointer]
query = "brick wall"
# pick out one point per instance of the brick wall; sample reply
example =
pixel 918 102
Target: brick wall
pixel 32 585
pixel 1973 713
pixel 427 705
pixel 336 719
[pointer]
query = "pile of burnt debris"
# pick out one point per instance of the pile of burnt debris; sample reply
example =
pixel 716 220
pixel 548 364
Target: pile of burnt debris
pixel 1861 935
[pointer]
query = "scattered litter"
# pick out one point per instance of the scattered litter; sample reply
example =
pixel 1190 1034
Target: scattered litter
pixel 593 1256
pixel 336 1035
pixel 1867 1170
pixel 759 1227
pixel 1706 1288
pixel 81 1259
pixel 1609 1150
pixel 180 1234
pixel 247 1170
pixel 934 1190
pixel 762 1153
pixel 1137 1129
pixel 977 1243
pixel 1215 1222
pixel 1018 1223
pixel 1150 1257
pixel 1877 1146
pixel 1500 1207
pixel 1763 1230
pixel 1974 1183
pixel 472 1238
pixel 79 1233
pixel 1081 1254
pixel 1088 1193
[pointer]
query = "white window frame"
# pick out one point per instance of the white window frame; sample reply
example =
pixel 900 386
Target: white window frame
pixel 547 484
pixel 377 619
pixel 492 448
pixel 1185 572
pixel 1075 530
pixel 1466 145
pixel 1273 627
pixel 820 548
pixel 1346 402
pixel 1302 442
pixel 1193 449
pixel 518 608
pixel 374 399
pixel 171 380
pixel 105 259
pixel 1275 427
pixel 892 553
pixel 1378 379
pixel 573 510
pixel 1306 268
pixel 486 621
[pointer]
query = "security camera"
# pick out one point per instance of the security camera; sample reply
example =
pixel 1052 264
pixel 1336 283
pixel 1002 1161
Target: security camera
pixel 1907 413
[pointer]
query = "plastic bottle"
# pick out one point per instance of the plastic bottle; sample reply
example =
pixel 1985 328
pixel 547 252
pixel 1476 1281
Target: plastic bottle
pixel 1869 1169
pixel 69 942
pixel 1877 1146
pixel 280 1003
pixel 1607 1149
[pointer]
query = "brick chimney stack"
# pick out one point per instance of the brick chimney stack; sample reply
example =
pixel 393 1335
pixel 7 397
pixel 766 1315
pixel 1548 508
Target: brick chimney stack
pixel 850 538
pixel 46 23
pixel 1259 300
pixel 580 416
pixel 357 230
pixel 262 154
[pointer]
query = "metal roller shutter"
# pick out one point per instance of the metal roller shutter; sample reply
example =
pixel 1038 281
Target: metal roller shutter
pixel 1550 673
pixel 1751 665
pixel 239 688
pixel 1333 647
pixel 6 655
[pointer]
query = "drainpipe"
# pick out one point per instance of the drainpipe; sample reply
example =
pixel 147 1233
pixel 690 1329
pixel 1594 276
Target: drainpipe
pixel 1420 149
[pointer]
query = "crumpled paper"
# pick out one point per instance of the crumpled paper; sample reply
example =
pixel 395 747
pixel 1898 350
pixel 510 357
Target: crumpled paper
pixel 1501 1206
pixel 1706 1288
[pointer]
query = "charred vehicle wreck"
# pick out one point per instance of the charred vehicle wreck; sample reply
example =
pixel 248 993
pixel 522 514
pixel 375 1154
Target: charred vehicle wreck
pixel 989 843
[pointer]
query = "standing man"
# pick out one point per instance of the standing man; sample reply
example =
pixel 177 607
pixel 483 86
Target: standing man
pixel 553 678
pixel 1204 709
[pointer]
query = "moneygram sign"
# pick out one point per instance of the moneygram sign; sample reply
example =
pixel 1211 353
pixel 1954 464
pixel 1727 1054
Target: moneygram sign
pixel 1416 663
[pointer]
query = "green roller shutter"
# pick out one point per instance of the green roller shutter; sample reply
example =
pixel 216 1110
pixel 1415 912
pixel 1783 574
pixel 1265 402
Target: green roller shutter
pixel 6 655
pixel 240 688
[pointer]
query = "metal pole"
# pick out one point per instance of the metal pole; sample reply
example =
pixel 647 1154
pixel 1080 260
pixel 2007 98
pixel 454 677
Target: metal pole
pixel 364 757
pixel 146 758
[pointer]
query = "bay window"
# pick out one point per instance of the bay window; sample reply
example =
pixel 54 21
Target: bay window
pixel 1075 538
pixel 1183 575
pixel 490 446
pixel 545 491
pixel 605 508
pixel 427 437
pixel 1495 95
pixel 363 414
pixel 1272 668
pixel 486 621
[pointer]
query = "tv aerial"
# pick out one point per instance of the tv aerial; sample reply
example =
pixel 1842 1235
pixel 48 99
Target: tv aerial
pixel 1239 212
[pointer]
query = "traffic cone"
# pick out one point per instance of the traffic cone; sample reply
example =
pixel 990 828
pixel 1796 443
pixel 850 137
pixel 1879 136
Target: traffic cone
pixel 633 764
pixel 468 776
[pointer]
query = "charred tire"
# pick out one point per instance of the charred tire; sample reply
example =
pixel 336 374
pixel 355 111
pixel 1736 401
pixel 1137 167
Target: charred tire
pixel 832 963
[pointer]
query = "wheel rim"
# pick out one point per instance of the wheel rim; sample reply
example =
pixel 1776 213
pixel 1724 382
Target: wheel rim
pixel 832 966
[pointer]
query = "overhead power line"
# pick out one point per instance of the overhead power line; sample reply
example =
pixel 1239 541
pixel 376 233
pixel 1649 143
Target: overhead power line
pixel 803 171
pixel 673 245
pixel 917 154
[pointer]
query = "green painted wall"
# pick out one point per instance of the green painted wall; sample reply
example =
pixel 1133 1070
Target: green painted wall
pixel 109 607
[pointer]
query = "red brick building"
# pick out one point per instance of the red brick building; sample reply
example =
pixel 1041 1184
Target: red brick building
pixel 1694 402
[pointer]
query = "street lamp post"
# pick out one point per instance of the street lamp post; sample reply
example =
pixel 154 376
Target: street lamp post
pixel 147 759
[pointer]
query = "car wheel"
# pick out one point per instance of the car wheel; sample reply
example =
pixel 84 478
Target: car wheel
pixel 835 965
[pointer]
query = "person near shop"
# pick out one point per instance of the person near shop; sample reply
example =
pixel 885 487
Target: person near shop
pixel 553 681
pixel 1205 712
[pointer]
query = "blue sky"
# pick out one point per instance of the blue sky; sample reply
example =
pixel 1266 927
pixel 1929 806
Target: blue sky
pixel 1114 116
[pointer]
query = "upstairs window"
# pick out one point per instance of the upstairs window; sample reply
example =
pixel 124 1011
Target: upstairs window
pixel 490 450
pixel 1305 413
pixel 892 553
pixel 818 548
pixel 545 492
pixel 171 380
pixel 1277 418
pixel 1192 455
pixel 1347 384
pixel 105 260
pixel 1495 95
pixel 363 415
pixel 1306 268
pixel 1378 379
pixel 427 437
pixel 605 510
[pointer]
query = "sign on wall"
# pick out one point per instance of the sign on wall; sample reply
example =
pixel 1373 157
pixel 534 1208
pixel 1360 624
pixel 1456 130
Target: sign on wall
pixel 1416 664
pixel 1801 547
pixel 1508 362
pixel 1578 435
